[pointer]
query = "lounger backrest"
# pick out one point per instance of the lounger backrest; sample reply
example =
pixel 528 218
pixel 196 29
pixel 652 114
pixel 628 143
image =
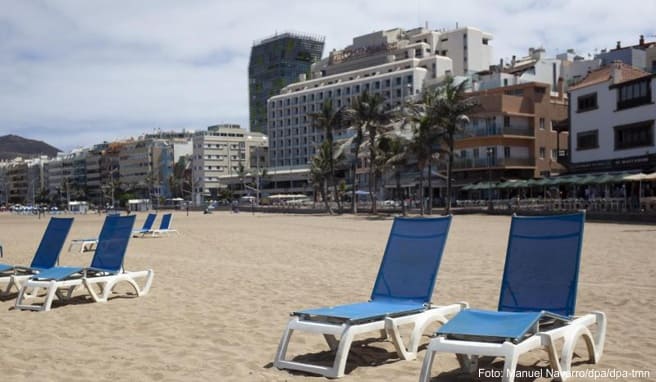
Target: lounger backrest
pixel 542 264
pixel 52 242
pixel 411 260
pixel 113 242
pixel 166 222
pixel 148 223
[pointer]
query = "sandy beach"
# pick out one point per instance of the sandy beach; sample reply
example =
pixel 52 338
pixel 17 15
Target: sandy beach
pixel 224 287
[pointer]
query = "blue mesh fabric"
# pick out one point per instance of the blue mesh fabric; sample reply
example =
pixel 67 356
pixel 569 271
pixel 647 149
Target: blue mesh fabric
pixel 472 322
pixel 112 243
pixel 365 311
pixel 148 224
pixel 166 222
pixel 542 264
pixel 411 259
pixel 52 242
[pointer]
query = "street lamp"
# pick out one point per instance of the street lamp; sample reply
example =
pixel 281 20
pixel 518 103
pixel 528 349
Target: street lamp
pixel 490 152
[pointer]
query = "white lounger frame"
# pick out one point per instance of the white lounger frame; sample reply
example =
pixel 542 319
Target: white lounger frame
pixel 85 244
pixel 162 232
pixel 346 332
pixel 31 288
pixel 570 333
pixel 13 281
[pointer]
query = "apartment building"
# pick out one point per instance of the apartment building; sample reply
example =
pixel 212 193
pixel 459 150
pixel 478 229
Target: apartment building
pixel 395 64
pixel 536 67
pixel 612 113
pixel 224 151
pixel 511 136
pixel 22 180
pixel 467 47
pixel 145 166
pixel 274 63
pixel 641 55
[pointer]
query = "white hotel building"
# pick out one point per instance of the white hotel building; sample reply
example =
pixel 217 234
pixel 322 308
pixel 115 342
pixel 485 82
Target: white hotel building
pixel 612 114
pixel 394 63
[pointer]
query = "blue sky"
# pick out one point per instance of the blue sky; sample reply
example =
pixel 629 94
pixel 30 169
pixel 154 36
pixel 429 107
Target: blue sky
pixel 77 72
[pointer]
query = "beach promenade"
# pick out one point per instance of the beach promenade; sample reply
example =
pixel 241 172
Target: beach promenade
pixel 224 287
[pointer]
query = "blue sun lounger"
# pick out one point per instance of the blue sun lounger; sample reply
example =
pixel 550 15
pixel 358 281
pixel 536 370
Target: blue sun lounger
pixel 46 255
pixel 147 226
pixel 401 295
pixel 536 304
pixel 106 270
pixel 164 226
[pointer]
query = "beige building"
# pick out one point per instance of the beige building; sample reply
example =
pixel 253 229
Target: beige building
pixel 512 135
pixel 224 151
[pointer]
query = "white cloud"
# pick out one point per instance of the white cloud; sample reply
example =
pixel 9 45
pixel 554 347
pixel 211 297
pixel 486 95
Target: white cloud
pixel 76 72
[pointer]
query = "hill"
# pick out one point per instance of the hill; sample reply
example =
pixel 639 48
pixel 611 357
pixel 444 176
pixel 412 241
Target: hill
pixel 12 146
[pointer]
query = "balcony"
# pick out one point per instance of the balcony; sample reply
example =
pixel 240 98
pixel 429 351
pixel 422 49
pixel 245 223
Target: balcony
pixel 482 163
pixel 495 130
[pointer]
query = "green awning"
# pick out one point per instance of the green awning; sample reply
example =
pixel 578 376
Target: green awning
pixel 589 179
pixel 608 178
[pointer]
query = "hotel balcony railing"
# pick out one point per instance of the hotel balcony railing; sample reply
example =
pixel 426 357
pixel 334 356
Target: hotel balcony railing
pixel 495 130
pixel 483 163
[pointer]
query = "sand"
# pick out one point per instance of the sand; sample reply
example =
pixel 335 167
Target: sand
pixel 224 287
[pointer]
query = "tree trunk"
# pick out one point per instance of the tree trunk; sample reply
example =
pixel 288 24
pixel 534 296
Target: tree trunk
pixel 421 191
pixel 398 191
pixel 372 172
pixel 430 189
pixel 332 179
pixel 448 176
pixel 324 194
pixel 354 198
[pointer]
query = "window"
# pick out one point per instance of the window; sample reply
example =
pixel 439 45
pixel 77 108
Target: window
pixel 587 140
pixel 633 94
pixel 398 80
pixel 476 153
pixel 543 152
pixel 506 152
pixel 634 135
pixel 387 83
pixel 587 102
pixel 409 79
pixel 506 121
pixel 541 123
pixel 554 154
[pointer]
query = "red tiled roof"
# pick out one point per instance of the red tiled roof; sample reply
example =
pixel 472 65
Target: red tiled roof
pixel 628 73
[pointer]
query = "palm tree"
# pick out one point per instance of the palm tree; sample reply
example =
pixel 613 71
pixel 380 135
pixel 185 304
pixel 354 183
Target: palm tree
pixel 320 171
pixel 394 156
pixel 450 112
pixel 329 119
pixel 369 115
pixel 426 137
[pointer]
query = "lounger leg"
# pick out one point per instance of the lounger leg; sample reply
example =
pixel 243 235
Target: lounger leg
pixel 600 335
pixel 342 354
pixel 427 365
pixel 21 296
pixel 468 363
pixel 50 295
pixel 282 347
pixel 510 365
pixel 332 342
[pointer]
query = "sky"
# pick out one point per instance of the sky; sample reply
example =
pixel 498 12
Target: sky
pixel 78 72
